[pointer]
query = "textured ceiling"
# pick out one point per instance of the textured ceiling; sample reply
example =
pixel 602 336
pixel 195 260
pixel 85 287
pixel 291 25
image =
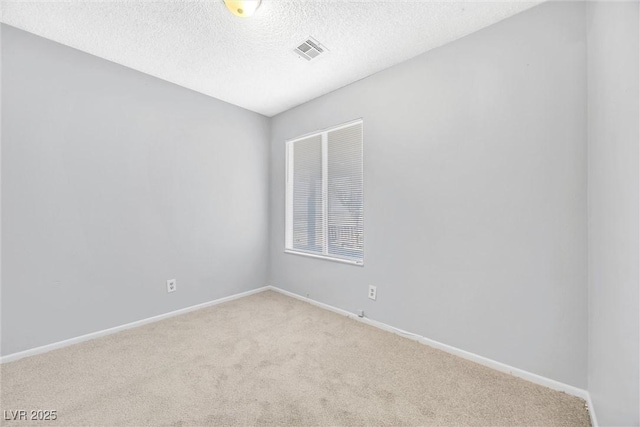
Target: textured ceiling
pixel 250 61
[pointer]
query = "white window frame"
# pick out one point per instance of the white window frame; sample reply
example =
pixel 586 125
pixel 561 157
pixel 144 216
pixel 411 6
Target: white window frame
pixel 288 226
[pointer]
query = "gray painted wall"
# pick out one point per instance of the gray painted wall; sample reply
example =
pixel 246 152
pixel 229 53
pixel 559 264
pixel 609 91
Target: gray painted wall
pixel 475 194
pixel 613 109
pixel 113 182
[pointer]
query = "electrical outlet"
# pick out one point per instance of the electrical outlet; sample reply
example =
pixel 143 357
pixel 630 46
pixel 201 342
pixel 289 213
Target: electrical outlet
pixel 372 292
pixel 171 285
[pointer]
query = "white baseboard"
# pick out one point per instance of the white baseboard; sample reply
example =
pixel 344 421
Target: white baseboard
pixel 498 366
pixel 592 411
pixel 534 378
pixel 60 344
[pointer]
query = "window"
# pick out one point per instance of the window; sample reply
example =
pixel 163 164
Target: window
pixel 324 206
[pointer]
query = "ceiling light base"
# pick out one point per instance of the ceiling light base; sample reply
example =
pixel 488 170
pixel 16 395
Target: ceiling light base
pixel 242 8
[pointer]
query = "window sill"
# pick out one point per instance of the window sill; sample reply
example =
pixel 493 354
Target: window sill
pixel 325 257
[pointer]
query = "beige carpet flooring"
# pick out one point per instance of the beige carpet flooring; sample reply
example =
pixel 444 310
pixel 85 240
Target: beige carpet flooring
pixel 268 359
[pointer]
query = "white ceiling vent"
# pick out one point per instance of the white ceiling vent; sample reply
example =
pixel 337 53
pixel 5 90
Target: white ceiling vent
pixel 310 49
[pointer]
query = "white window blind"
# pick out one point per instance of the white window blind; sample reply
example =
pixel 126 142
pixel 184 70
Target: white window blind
pixel 308 232
pixel 324 206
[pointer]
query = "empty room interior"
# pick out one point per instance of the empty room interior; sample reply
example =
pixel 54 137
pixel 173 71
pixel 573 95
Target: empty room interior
pixel 320 213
